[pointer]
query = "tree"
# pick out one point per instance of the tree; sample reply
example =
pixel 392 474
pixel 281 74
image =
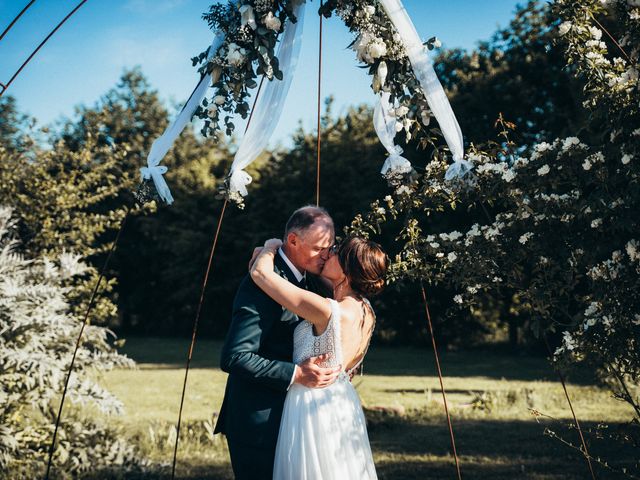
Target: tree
pixel 521 74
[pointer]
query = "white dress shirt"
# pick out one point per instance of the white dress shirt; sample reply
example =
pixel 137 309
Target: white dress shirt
pixel 299 277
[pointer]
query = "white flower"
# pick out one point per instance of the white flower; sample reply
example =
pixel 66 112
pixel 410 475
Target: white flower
pixel 403 189
pixel 474 231
pixel 592 309
pixel 452 257
pixel 474 289
pixel 543 170
pixel 596 223
pixel 591 321
pixel 497 279
pixel 568 142
pixel 272 22
pixel 401 111
pixel 457 299
pixel 564 28
pixel 368 47
pixel 437 43
pixel 370 9
pixel 632 249
pixel 626 158
pixel 377 49
pixel 595 32
pixel 247 17
pixel 525 237
pixel 508 175
pixel 453 236
pixel 219 99
pixel 380 211
pixel 235 55
pixel 388 198
pixel 586 165
pixel 636 319
pixel 542 147
pixel 212 108
pixel 568 340
pixel 434 244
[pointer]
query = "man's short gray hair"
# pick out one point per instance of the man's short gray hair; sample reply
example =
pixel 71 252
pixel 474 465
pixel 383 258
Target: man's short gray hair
pixel 305 217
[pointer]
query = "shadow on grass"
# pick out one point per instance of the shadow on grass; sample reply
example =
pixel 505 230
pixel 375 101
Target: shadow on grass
pixel 161 353
pixel 419 448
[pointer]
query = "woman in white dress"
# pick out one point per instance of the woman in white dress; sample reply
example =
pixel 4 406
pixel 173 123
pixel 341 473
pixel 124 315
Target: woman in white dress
pixel 323 434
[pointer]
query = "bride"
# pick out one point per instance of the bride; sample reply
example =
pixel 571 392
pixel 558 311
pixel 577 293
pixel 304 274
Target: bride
pixel 323 434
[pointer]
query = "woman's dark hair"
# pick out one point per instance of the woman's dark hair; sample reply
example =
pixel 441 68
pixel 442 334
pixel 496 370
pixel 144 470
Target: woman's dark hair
pixel 365 265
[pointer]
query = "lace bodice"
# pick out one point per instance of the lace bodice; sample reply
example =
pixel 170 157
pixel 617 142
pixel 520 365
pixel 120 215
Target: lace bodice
pixel 306 344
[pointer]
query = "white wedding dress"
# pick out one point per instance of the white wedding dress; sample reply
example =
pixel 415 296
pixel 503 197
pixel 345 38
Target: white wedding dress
pixel 323 434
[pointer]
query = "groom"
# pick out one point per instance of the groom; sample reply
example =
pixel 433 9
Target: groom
pixel 258 350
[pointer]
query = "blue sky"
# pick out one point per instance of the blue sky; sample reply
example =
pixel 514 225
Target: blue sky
pixel 89 53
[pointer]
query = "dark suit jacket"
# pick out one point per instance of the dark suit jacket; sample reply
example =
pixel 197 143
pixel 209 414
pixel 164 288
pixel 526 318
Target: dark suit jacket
pixel 257 354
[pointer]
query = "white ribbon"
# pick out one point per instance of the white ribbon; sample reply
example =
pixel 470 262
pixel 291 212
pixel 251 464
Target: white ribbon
pixel 385 125
pixel 458 169
pixel 164 142
pixel 268 106
pixel 426 76
pixel 238 182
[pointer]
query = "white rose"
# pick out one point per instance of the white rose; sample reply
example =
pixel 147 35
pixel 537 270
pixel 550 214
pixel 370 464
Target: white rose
pixel 376 49
pixel 360 47
pixel 457 299
pixel 247 17
pixel 219 99
pixel 235 55
pixel 586 165
pixel 401 111
pixel 272 22
pixel 564 28
pixel 381 211
pixel 452 257
pixel 626 158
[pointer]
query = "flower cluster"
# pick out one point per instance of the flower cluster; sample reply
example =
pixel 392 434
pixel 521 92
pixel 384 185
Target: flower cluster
pixel 251 29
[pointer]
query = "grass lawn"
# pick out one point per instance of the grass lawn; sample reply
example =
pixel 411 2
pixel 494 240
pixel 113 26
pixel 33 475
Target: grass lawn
pixel 490 395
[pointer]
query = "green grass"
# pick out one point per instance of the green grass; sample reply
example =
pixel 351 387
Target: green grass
pixel 490 396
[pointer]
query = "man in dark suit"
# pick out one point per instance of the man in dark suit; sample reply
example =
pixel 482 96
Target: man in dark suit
pixel 258 350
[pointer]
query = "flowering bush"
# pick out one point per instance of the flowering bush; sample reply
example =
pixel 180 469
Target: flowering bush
pixel 37 335
pixel 551 230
